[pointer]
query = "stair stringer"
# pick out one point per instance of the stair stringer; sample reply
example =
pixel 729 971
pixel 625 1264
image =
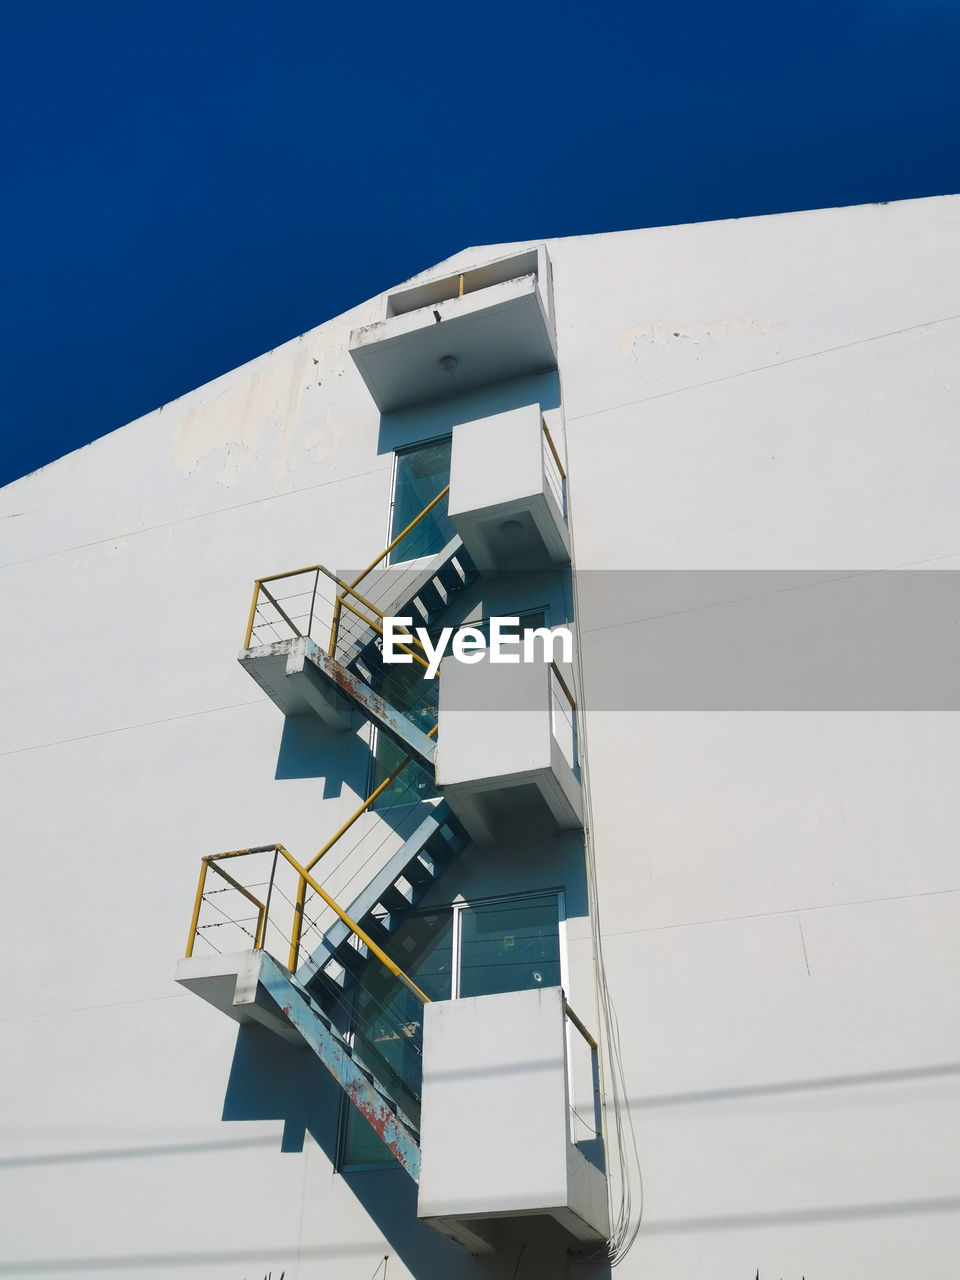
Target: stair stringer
pixel 296 1006
pixel 442 579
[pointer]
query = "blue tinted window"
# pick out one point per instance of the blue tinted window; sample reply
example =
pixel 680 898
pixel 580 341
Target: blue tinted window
pixel 422 472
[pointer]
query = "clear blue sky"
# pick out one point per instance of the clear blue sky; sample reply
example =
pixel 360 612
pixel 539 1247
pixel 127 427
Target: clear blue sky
pixel 190 184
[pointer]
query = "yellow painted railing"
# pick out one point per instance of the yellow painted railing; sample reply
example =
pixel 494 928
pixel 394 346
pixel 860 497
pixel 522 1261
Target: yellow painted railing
pixel 295 607
pixel 553 467
pixel 342 602
pixel 578 1024
pixel 347 598
pixel 553 449
pixel 263 908
pixel 374 795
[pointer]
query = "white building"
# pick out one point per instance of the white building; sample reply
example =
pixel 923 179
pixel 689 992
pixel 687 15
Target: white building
pixel 722 840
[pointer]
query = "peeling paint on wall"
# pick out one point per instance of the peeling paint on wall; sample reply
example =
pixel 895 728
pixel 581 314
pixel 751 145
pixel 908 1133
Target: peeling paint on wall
pixel 272 414
pixel 632 341
pixel 227 428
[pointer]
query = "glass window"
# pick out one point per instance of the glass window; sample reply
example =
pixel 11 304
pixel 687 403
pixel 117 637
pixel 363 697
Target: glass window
pixel 406 689
pixel 362 1146
pixel 388 1019
pixel 422 472
pixel 511 945
pixel 410 786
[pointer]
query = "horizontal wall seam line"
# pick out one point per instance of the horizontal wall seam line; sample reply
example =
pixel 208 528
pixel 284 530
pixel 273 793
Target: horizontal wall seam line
pixel 135 1153
pixel 761 368
pixel 93 1008
pixel 126 728
pixel 902 567
pixel 829 581
pixel 127 1262
pixel 200 515
pixel 784 911
pixel 813 1084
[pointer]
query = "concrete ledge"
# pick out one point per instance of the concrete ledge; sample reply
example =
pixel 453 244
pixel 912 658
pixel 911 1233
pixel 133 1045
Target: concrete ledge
pixel 495 333
pixel 494 1119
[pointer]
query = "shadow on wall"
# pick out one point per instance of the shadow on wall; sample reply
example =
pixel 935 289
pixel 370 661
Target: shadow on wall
pixel 308 749
pixel 272 1080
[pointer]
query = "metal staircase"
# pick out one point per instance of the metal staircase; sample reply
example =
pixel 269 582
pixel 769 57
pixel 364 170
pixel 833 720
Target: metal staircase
pixel 384 904
pixel 348 672
pixel 425 599
pixel 342 993
pixel 313 999
pixel 370 1096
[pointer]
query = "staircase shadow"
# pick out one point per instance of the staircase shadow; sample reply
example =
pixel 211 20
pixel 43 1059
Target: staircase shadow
pixel 273 1080
pixel 309 749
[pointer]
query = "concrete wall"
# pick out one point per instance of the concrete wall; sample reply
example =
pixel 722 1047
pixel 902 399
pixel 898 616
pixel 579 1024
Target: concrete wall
pixel 777 889
pixel 487 1061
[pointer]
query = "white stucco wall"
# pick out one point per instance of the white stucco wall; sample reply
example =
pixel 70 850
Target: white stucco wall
pixel 778 891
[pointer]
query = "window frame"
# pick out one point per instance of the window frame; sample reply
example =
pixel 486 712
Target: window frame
pixel 456 907
pixel 397 454
pixel 462 904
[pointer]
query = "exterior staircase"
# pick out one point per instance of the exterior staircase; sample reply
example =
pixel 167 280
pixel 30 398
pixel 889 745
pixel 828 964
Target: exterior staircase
pixel 299 675
pixel 313 1001
pixel 425 597
pixel 253 987
pixel 383 905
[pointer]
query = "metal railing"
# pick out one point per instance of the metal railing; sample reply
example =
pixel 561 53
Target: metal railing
pixel 554 471
pixel 305 883
pixel 274 616
pixel 563 716
pixel 407 536
pixel 578 1123
pixel 379 1012
pixel 258 937
pixel 299 602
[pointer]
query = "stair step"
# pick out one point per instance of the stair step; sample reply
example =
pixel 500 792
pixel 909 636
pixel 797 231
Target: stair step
pixel 454 834
pixel 418 872
pixel 418 611
pixel 384 888
pixel 432 600
pixel 439 849
pixel 433 861
pixel 451 576
pixel 375 928
pixel 350 957
pixel 396 900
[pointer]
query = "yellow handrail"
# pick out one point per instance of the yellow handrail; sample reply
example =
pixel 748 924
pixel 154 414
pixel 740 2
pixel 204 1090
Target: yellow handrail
pixel 578 1024
pixel 302 886
pixel 340 603
pixel 210 861
pixel 400 536
pixel 306 878
pixel 348 590
pixel 563 685
pixel 417 657
pixel 350 587
pixel 354 928
pixel 553 449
